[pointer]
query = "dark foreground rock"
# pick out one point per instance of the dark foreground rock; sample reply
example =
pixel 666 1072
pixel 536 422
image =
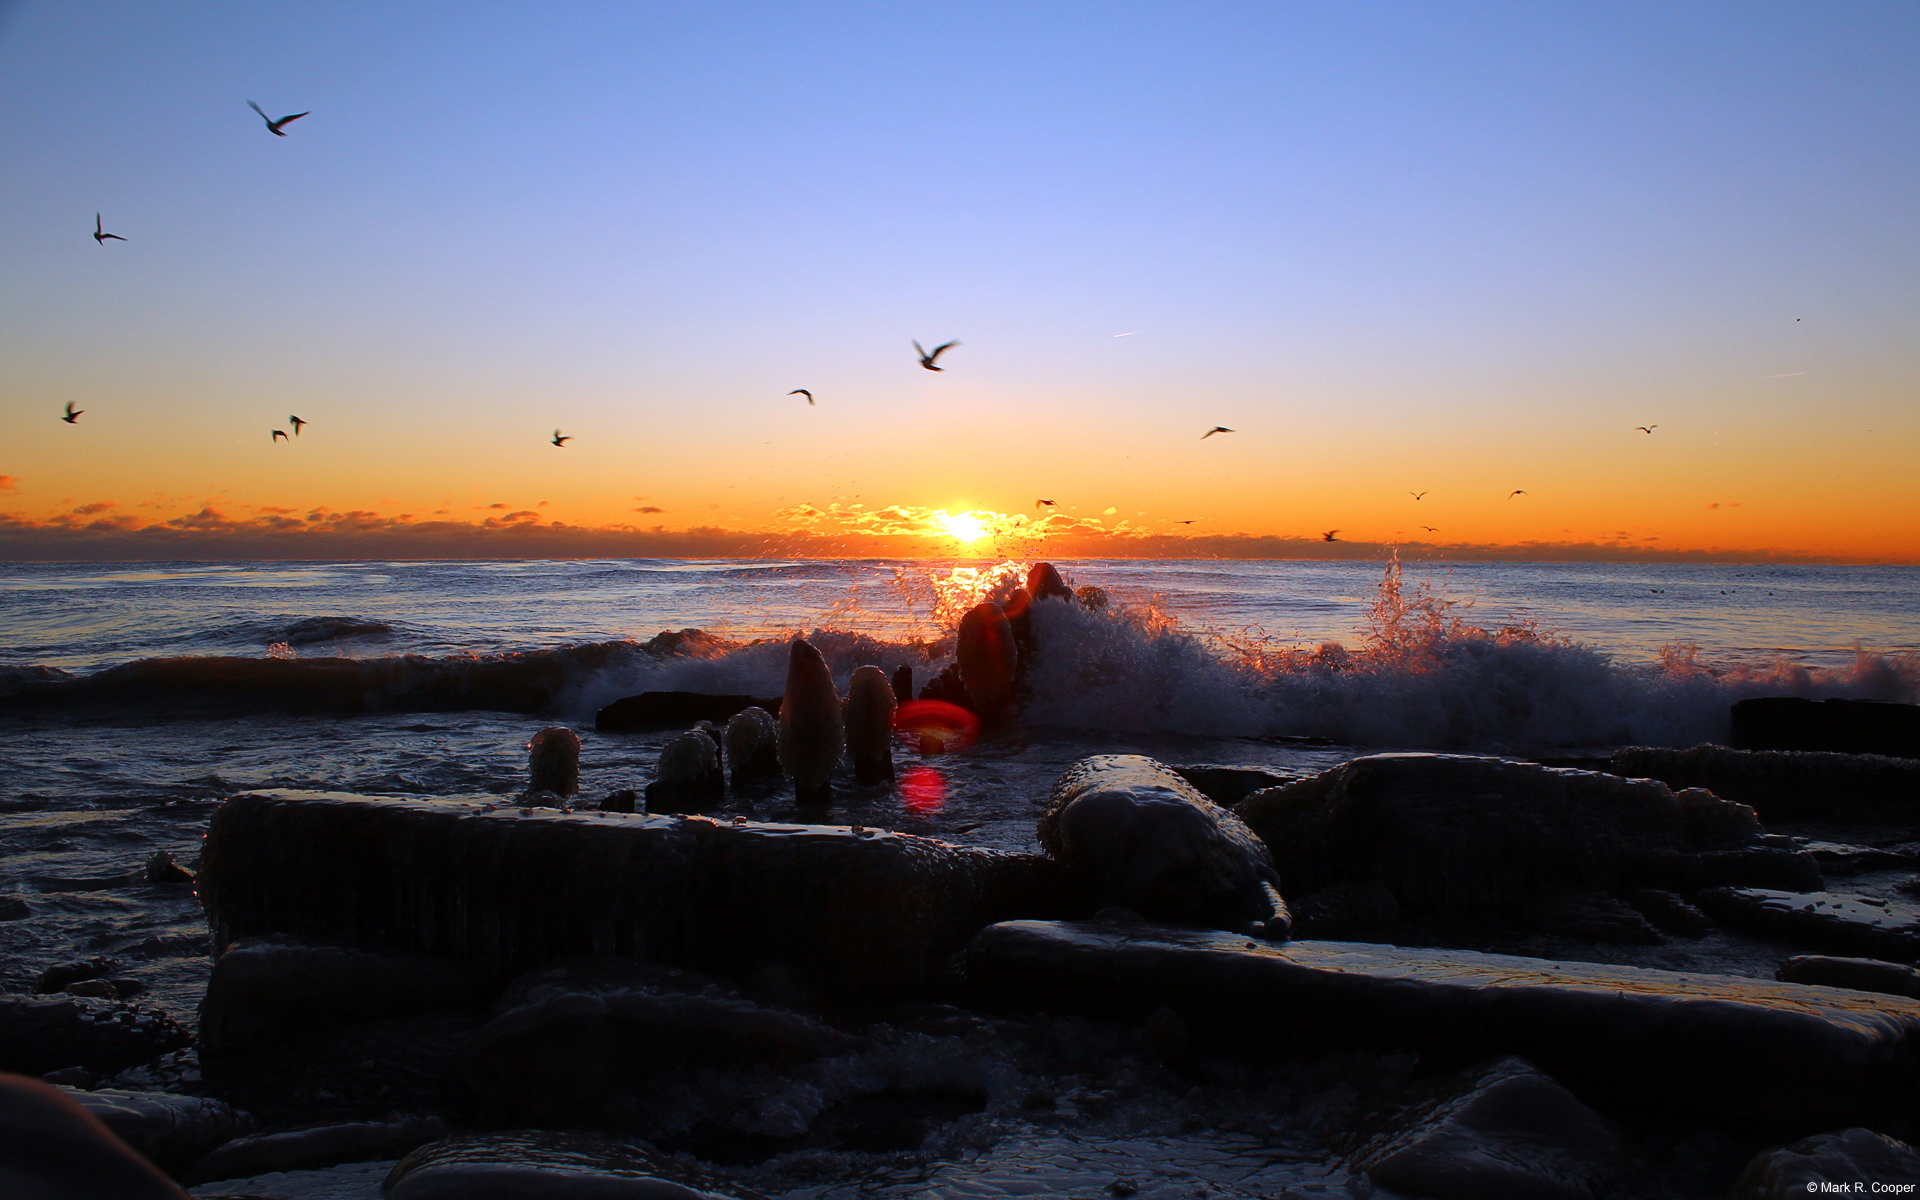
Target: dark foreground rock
pixel 1228 786
pixel 1641 1045
pixel 1499 1131
pixel 324 1146
pixel 1845 726
pixel 672 710
pixel 53 1149
pixel 1788 785
pixel 863 916
pixel 1860 974
pixel 572 1035
pixel 539 1166
pixel 39 1034
pixel 263 989
pixel 1820 920
pixel 1850 1162
pixel 1133 833
pixel 1455 833
pixel 170 1131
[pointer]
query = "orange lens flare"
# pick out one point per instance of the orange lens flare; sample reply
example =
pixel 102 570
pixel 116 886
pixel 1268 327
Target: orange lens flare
pixel 936 727
pixel 923 790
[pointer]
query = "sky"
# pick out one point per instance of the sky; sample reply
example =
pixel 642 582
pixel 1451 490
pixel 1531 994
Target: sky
pixel 1462 250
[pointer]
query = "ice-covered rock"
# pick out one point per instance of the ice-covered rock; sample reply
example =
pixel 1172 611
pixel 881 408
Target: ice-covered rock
pixel 753 748
pixel 1044 583
pixel 988 660
pixel 538 1165
pixel 1820 920
pixel 553 761
pixel 811 732
pixel 1852 1162
pixel 1788 785
pixel 1860 974
pixel 321 1146
pixel 688 777
pixel 170 1131
pixel 869 720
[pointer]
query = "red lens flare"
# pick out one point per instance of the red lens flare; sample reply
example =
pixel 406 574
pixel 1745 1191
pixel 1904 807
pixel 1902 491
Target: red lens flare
pixel 936 727
pixel 923 791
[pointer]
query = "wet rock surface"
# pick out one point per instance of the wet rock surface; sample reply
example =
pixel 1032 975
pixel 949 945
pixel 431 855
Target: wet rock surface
pixel 39 1034
pixel 1860 974
pixel 541 1166
pixel 322 1146
pixel 1783 785
pixel 1821 920
pixel 170 1131
pixel 1849 1162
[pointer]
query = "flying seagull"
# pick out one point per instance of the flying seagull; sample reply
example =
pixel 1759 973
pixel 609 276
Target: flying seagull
pixel 297 423
pixel 1646 428
pixel 1189 522
pixel 1416 495
pixel 273 126
pixel 1216 429
pixel 100 234
pixel 561 441
pixel 1430 529
pixel 1516 492
pixel 279 435
pixel 1040 503
pixel 802 392
pixel 1328 536
pixel 73 414
pixel 926 360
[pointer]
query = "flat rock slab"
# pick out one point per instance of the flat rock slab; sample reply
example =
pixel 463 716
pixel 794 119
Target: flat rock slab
pixel 1696 1050
pixel 1822 920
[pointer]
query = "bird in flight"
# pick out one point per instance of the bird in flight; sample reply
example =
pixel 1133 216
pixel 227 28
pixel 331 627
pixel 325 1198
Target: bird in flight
pixel 279 435
pixel 1216 429
pixel 1430 529
pixel 73 414
pixel 1516 492
pixel 802 392
pixel 1189 522
pixel 1043 503
pixel 100 234
pixel 926 359
pixel 273 126
pixel 1328 536
pixel 561 441
pixel 1646 428
pixel 1416 495
pixel 297 423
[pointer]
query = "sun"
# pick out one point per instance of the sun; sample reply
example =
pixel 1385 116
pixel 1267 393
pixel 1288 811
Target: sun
pixel 966 527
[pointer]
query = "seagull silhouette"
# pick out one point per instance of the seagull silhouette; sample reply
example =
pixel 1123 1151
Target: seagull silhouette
pixel 1416 495
pixel 1646 428
pixel 279 435
pixel 1328 536
pixel 926 359
pixel 561 441
pixel 1216 429
pixel 802 392
pixel 297 423
pixel 1516 492
pixel 1430 529
pixel 73 414
pixel 273 126
pixel 1040 503
pixel 1189 522
pixel 100 234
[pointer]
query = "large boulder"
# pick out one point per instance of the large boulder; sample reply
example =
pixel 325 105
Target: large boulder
pixel 52 1149
pixel 1686 1049
pixel 1783 785
pixel 1455 833
pixel 1499 1131
pixel 1850 1162
pixel 1134 834
pixel 170 1131
pixel 864 915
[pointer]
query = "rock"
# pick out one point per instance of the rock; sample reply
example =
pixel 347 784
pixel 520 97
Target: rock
pixel 688 777
pixel 537 1165
pixel 753 748
pixel 1710 823
pixel 1131 832
pixel 1845 726
pixel 811 734
pixel 1753 866
pixel 1838 858
pixel 620 801
pixel 1091 597
pixel 574 1034
pixel 903 684
pixel 1044 583
pixel 1500 1131
pixel 1593 917
pixel 1851 1162
pixel 553 761
pixel 1820 920
pixel 323 1146
pixel 39 1034
pixel 1860 974
pixel 1789 785
pixel 265 988
pixel 1228 786
pixel 1455 833
pixel 53 1149
pixel 1346 911
pixel 169 1131
pixel 106 989
pixel 869 722
pixel 56 978
pixel 1670 913
pixel 988 661
pixel 162 869
pixel 672 710
pixel 873 916
pixel 1687 1049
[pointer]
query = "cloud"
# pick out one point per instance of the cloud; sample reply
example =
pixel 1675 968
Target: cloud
pixel 98 506
pixel 9 482
pixel 649 508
